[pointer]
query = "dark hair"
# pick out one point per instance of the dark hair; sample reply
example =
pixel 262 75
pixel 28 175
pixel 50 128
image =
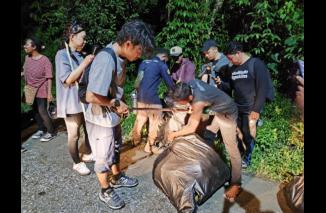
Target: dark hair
pixel 181 91
pixel 161 51
pixel 36 43
pixel 233 47
pixel 71 28
pixel 138 33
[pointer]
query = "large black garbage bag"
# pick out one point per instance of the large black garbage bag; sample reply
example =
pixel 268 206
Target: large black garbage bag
pixel 294 193
pixel 189 172
pixel 291 195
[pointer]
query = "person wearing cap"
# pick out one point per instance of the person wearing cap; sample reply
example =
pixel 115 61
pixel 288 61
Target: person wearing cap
pixel 183 69
pixel 200 96
pixel 213 71
pixel 153 71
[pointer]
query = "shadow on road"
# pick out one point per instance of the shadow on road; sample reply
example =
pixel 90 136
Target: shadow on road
pixel 247 201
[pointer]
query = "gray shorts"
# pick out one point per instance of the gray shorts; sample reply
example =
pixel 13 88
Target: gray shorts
pixel 105 144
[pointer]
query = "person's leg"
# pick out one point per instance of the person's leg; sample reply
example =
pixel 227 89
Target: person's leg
pixel 141 119
pixel 37 116
pixel 240 136
pixel 73 123
pixel 42 109
pixel 228 128
pixel 155 120
pixel 247 139
pixel 102 145
pixel 211 130
pixel 88 149
pixel 119 179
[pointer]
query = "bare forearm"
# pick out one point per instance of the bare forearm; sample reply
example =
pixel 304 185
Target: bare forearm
pixel 185 131
pixel 74 75
pixel 49 86
pixel 97 99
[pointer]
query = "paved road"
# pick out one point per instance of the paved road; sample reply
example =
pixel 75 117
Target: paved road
pixel 48 184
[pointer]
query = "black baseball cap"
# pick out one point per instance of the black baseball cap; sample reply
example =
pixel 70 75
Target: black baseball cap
pixel 208 44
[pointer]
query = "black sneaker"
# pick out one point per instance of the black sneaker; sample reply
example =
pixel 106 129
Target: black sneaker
pixel 111 198
pixel 124 181
pixel 47 137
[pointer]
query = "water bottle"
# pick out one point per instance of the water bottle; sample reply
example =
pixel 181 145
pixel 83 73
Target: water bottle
pixel 134 100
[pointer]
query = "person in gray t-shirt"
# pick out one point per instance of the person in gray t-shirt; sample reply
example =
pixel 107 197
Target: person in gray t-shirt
pixel 68 105
pixel 200 95
pixel 105 138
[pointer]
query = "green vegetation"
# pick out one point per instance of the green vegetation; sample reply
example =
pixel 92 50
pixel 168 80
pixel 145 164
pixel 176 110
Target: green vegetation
pixel 278 153
pixel 271 30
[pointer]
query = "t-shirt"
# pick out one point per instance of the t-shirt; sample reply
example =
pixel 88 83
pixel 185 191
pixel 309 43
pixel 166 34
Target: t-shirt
pixel 67 96
pixel 100 77
pixel 154 70
pixel 219 101
pixel 36 74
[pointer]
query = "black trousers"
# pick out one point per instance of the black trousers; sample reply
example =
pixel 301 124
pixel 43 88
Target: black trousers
pixel 41 115
pixel 248 140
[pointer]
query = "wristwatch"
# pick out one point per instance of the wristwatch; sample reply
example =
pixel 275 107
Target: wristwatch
pixel 116 103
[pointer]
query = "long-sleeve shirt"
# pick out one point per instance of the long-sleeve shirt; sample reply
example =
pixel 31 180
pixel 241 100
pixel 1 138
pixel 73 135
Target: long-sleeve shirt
pixel 186 71
pixel 249 90
pixel 154 70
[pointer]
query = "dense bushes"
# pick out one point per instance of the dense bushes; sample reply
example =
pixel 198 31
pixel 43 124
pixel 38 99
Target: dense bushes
pixel 278 153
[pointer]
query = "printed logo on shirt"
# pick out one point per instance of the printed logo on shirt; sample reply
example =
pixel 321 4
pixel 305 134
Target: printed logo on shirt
pixel 240 74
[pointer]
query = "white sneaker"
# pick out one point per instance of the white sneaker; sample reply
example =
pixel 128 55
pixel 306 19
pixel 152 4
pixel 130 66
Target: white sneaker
pixel 38 134
pixel 88 158
pixel 81 168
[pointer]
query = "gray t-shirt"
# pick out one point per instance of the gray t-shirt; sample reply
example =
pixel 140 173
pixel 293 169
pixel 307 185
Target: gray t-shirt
pixel 66 96
pixel 100 77
pixel 219 101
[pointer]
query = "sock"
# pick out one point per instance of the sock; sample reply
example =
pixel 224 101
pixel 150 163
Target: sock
pixel 116 177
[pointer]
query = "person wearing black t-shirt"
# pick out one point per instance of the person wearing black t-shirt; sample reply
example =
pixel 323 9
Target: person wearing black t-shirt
pixel 249 92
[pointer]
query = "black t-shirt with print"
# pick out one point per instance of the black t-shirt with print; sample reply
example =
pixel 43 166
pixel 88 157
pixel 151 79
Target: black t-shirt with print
pixel 249 91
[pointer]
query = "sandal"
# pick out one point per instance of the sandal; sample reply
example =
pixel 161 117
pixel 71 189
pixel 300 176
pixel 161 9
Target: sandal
pixel 232 192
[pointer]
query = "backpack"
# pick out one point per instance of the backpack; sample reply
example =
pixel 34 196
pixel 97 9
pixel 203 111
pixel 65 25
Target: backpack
pixel 84 79
pixel 270 94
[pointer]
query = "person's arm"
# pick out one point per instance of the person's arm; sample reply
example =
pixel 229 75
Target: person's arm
pixel 167 79
pixel 48 76
pixel 94 98
pixel 75 74
pixel 100 78
pixel 105 101
pixel 261 80
pixel 197 109
pixel 50 97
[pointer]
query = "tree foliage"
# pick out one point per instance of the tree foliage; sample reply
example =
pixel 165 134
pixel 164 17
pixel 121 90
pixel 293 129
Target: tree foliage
pixel 188 27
